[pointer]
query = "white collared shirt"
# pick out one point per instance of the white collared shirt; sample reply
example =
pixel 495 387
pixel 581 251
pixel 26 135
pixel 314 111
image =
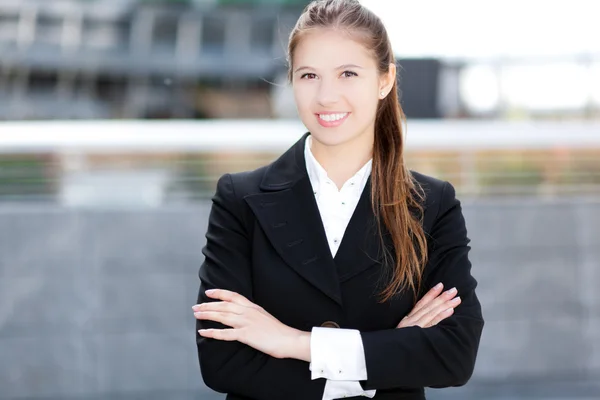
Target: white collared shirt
pixel 337 354
pixel 335 206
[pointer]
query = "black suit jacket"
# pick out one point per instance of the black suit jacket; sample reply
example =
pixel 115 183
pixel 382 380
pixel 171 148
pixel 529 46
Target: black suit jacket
pixel 266 241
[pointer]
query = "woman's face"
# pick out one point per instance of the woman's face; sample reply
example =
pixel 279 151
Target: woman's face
pixel 337 87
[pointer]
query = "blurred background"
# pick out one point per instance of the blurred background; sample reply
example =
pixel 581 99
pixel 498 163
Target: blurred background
pixel 118 116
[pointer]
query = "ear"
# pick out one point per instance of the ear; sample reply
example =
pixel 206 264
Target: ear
pixel 387 80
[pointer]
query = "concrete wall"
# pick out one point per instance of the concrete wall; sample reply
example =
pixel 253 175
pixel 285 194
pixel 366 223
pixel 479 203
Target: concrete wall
pixel 95 304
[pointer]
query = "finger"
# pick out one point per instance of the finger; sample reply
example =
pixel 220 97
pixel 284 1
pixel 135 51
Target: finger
pixel 426 313
pixel 228 295
pixel 405 323
pixel 440 317
pixel 220 306
pixel 432 314
pixel 429 296
pixel 227 319
pixel 228 335
pixel 447 295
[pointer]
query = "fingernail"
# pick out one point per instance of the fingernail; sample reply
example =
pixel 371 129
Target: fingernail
pixel 210 291
pixel 456 300
pixel 438 286
pixel 196 308
pixel 452 291
pixel 197 314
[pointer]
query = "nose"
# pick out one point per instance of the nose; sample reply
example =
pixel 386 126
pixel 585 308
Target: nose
pixel 327 94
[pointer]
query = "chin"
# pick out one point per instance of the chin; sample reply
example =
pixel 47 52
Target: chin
pixel 335 137
pixel 329 137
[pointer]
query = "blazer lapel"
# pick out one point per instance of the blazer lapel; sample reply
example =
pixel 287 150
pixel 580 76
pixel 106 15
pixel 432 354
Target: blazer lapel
pixel 288 214
pixel 360 247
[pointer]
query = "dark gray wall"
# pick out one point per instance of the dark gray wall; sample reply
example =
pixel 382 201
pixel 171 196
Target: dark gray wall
pixel 96 304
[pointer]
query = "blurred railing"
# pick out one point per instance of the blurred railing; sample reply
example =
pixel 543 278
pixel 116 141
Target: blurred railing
pixel 152 163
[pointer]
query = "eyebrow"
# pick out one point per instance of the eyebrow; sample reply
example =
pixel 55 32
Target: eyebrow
pixel 340 67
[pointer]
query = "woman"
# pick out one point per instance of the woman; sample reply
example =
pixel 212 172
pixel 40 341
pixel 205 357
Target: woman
pixel 313 264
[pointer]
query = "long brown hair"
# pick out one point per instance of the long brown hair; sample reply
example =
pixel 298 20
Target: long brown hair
pixel 396 198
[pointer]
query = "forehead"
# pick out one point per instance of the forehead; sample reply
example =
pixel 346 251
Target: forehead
pixel 326 49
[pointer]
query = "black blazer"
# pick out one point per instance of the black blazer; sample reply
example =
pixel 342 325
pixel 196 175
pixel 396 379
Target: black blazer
pixel 266 241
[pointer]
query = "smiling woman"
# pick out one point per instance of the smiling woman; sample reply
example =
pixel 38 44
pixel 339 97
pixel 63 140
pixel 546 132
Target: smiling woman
pixel 324 272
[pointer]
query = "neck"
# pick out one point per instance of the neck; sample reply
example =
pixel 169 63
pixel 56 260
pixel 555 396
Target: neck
pixel 343 161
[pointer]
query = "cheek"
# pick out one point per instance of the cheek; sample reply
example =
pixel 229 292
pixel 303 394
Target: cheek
pixel 303 98
pixel 364 101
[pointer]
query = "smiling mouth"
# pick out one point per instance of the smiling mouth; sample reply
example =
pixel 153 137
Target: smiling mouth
pixel 332 117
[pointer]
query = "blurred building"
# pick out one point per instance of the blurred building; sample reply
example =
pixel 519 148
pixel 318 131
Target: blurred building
pixel 103 59
pixel 141 59
pixel 114 59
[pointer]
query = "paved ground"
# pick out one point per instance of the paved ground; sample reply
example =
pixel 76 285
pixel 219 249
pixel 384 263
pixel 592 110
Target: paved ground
pixel 96 304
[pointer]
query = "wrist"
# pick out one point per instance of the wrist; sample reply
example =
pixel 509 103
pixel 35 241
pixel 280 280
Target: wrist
pixel 300 346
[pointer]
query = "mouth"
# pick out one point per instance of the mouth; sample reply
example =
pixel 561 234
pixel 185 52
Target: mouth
pixel 332 119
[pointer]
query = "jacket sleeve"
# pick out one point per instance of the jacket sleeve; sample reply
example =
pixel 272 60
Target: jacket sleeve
pixel 233 367
pixel 443 355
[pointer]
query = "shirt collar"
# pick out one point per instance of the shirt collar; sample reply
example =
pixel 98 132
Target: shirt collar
pixel 318 175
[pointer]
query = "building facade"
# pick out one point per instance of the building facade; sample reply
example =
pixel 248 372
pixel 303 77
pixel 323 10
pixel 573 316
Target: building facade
pixel 141 59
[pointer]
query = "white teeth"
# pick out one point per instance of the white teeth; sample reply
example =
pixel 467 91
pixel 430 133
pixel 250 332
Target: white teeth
pixel 332 117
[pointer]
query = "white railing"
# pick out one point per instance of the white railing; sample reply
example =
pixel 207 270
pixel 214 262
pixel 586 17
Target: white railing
pixel 91 162
pixel 277 135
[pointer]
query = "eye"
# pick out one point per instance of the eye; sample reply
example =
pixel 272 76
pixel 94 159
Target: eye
pixel 349 74
pixel 309 75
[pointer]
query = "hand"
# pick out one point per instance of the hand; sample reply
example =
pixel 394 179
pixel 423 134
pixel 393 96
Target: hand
pixel 433 308
pixel 252 325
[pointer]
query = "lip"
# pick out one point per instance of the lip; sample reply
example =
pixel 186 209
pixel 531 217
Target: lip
pixel 331 124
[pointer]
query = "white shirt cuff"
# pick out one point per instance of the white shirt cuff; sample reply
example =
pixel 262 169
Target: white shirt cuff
pixel 337 354
pixel 341 389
